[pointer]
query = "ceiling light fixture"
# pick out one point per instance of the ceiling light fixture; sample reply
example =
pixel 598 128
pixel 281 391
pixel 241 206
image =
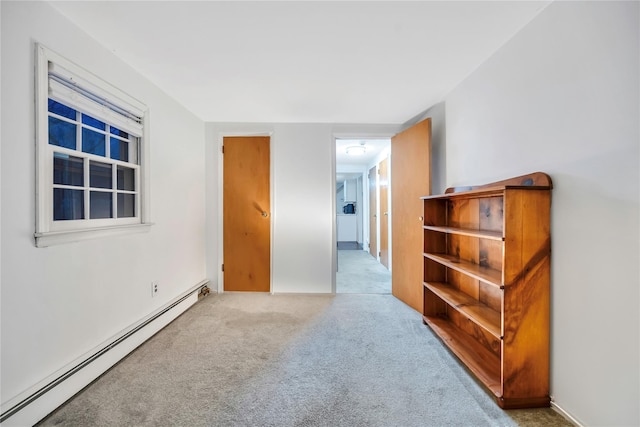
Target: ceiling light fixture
pixel 356 150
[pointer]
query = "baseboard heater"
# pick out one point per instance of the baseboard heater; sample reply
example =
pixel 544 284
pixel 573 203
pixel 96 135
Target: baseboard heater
pixel 200 289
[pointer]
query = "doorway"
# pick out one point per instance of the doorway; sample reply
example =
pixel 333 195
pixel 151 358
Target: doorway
pixel 246 214
pixel 373 212
pixel 357 216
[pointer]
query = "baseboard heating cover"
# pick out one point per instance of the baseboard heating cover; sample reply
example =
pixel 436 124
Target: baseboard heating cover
pixel 43 398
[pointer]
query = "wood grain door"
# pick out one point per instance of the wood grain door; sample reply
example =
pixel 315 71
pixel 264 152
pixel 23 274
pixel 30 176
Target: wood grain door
pixel 247 214
pixel 411 169
pixel 383 171
pixel 373 214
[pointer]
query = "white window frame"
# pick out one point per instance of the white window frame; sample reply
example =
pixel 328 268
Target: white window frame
pixel 47 231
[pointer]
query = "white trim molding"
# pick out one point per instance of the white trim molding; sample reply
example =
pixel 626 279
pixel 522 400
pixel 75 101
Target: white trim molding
pixel 52 238
pixel 564 413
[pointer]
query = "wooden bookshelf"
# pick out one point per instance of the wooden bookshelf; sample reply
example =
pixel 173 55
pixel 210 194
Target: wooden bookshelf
pixel 486 283
pixel 484 364
pixel 493 235
pixel 487 275
pixel 470 307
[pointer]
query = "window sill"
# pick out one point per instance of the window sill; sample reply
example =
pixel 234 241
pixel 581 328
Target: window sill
pixel 53 238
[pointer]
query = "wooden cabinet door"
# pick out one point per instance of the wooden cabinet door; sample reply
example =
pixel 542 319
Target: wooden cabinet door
pixel 411 179
pixel 247 214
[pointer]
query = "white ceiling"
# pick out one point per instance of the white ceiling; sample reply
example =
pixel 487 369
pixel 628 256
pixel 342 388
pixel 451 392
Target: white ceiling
pixel 373 147
pixel 303 61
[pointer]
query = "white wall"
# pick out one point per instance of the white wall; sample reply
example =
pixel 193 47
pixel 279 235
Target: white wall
pixel 59 302
pixel 384 154
pixel 358 172
pixel 303 191
pixel 562 97
pixel 340 200
pixel 302 245
pixel 301 207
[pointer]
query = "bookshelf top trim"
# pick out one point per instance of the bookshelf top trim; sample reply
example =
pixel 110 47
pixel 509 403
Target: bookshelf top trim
pixel 532 181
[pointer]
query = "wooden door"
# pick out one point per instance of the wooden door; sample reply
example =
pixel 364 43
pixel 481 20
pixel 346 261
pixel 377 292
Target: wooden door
pixel 373 214
pixel 383 172
pixel 411 169
pixel 247 214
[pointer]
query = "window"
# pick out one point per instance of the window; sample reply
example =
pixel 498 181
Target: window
pixel 92 153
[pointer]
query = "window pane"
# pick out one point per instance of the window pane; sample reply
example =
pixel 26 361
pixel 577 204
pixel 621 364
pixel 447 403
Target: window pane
pixel 126 179
pixel 61 133
pixel 88 120
pixel 100 175
pixel 119 149
pixel 67 170
pixel 62 110
pixel 93 142
pixel 126 205
pixel 100 205
pixel 120 133
pixel 68 204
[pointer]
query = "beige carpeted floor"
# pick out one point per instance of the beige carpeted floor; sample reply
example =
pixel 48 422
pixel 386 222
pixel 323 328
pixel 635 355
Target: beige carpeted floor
pixel 247 359
pixel 360 273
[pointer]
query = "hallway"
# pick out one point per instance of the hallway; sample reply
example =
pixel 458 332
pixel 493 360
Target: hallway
pixel 360 273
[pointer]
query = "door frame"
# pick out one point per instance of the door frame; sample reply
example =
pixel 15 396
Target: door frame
pixel 373 227
pixel 220 210
pixel 365 196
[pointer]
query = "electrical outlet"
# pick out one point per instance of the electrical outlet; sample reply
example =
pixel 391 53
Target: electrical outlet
pixel 154 288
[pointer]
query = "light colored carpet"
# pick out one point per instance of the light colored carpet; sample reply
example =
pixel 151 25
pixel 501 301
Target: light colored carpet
pixel 246 359
pixel 360 273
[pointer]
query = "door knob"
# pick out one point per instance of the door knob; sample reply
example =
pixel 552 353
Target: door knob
pixel 264 214
pixel 420 218
pixel 386 213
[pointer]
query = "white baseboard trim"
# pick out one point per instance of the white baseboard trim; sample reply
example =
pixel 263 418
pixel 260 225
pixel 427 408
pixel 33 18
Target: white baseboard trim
pixel 43 398
pixel 565 414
